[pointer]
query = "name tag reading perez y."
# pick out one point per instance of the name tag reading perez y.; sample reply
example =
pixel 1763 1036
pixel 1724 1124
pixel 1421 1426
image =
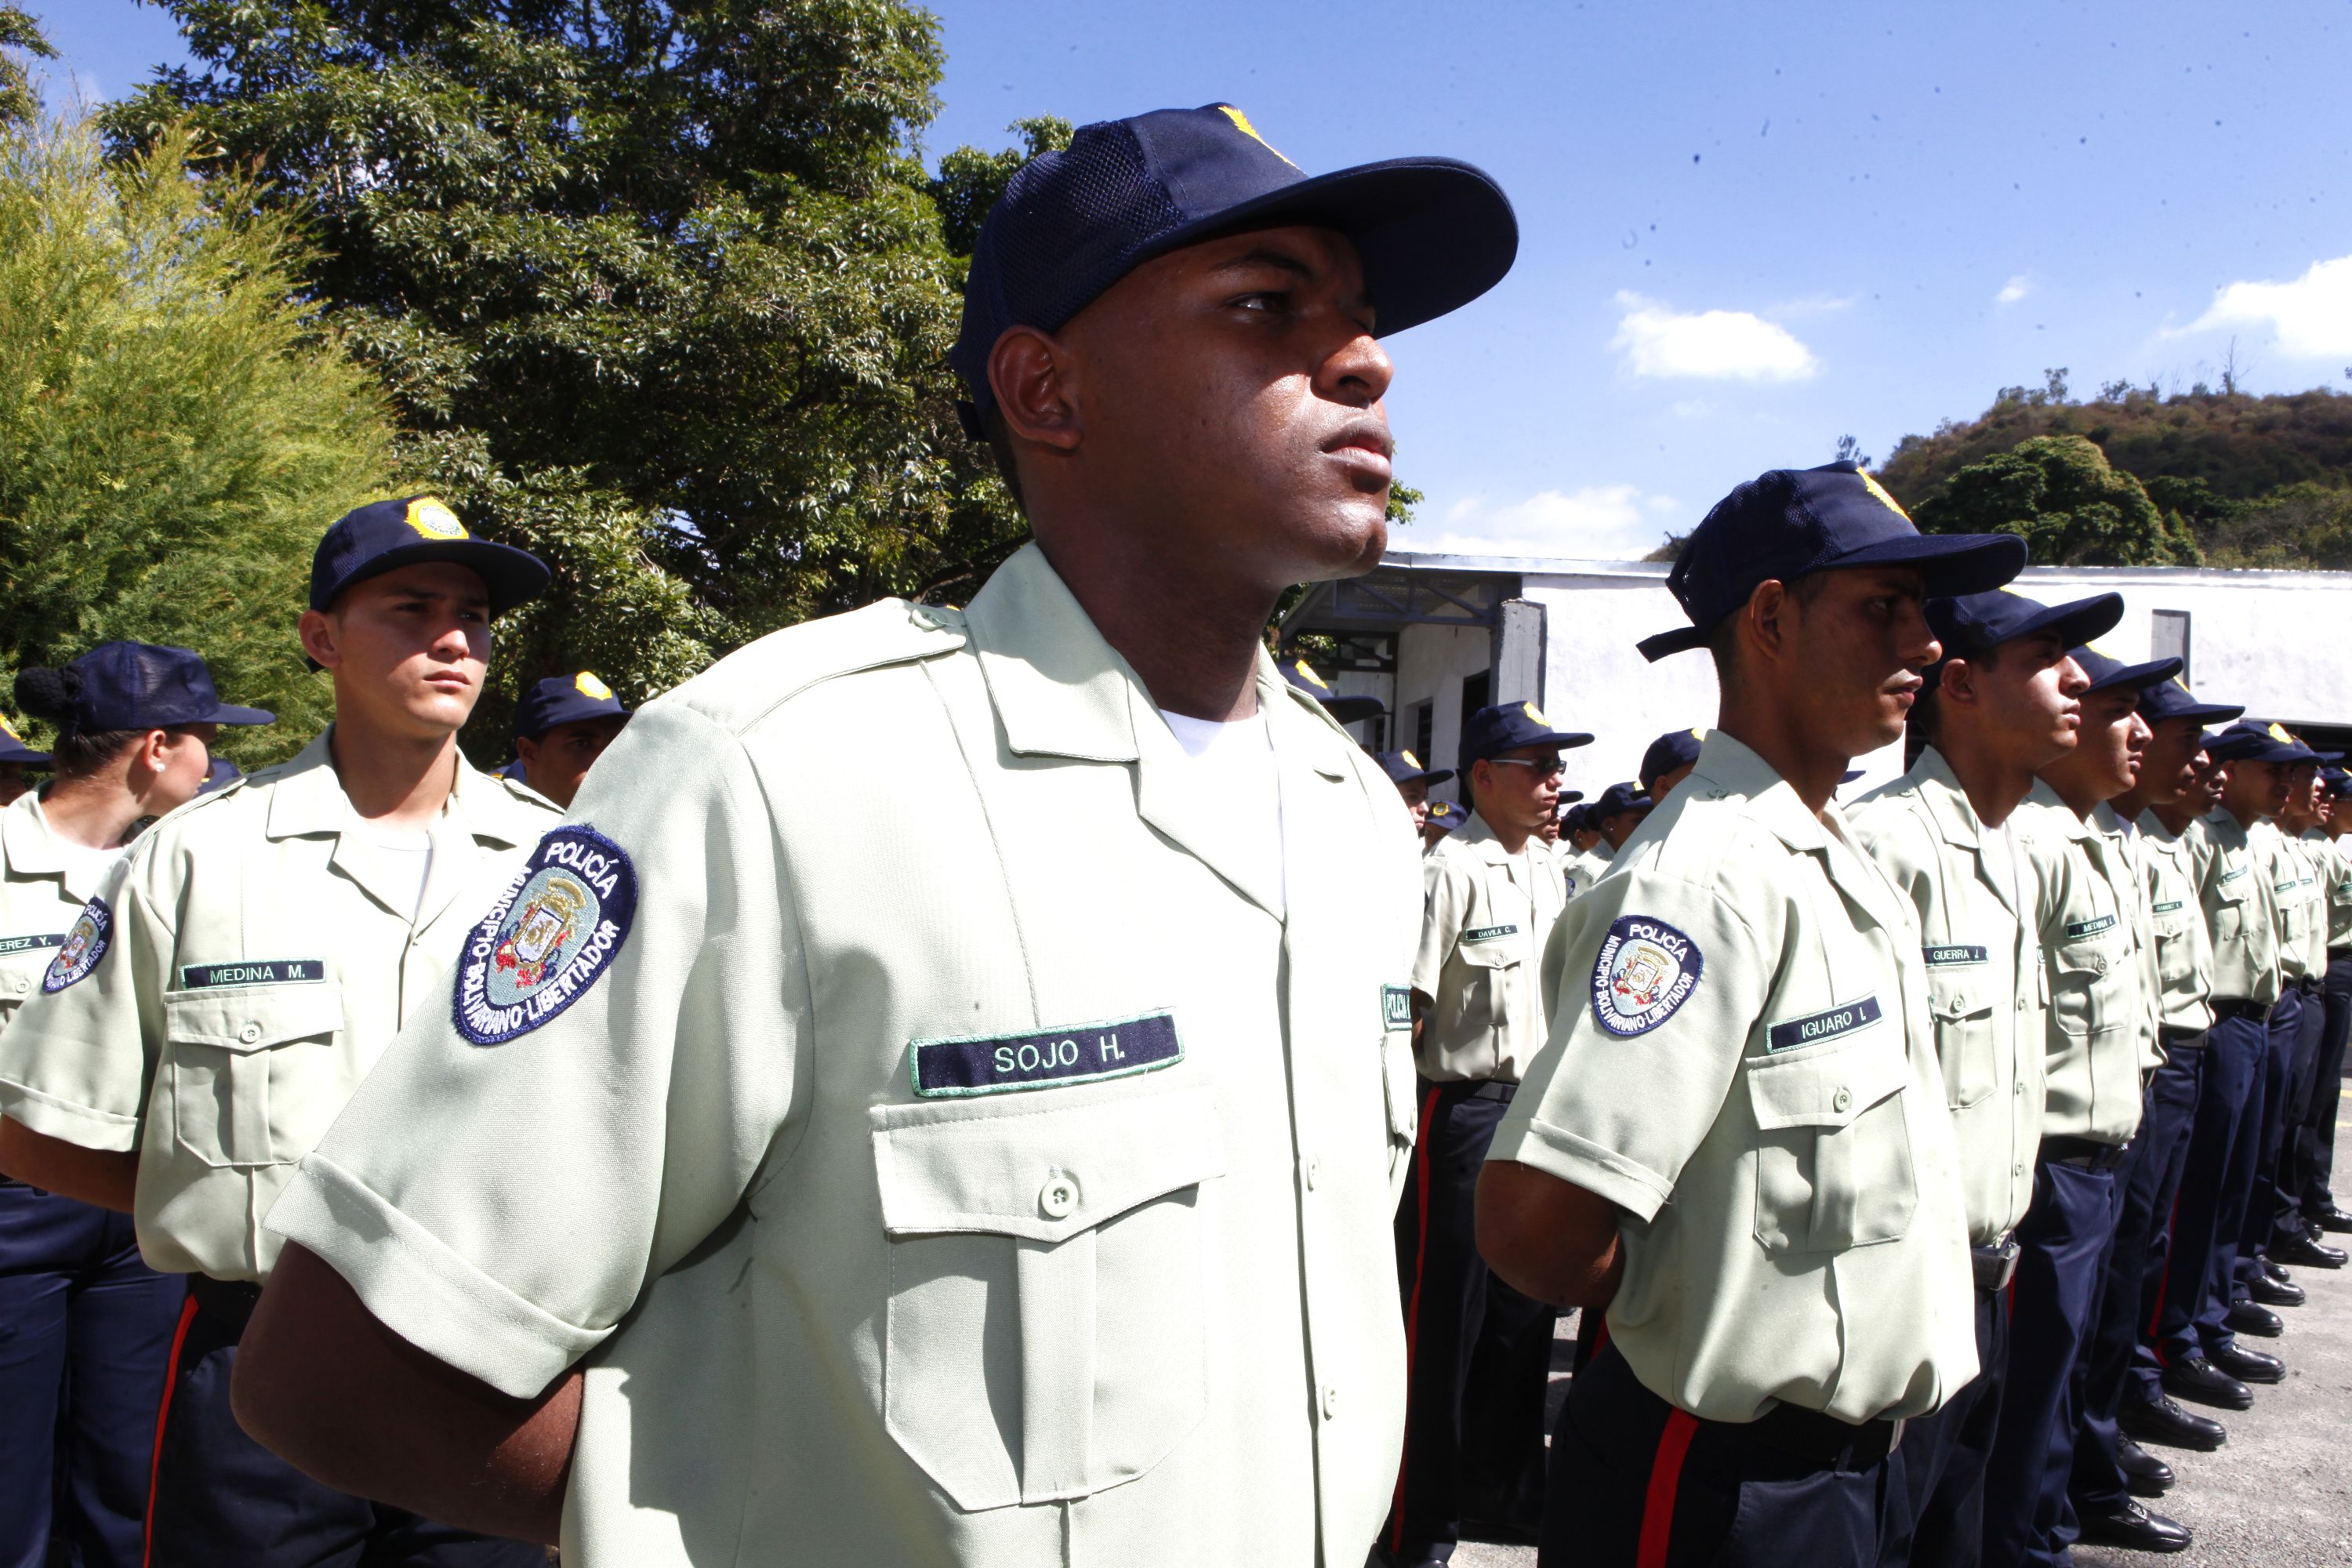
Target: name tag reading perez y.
pixel 1079 1053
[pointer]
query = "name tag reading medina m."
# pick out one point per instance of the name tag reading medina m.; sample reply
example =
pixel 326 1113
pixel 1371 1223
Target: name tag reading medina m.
pixel 252 972
pixel 1954 954
pixel 1488 933
pixel 1081 1053
pixel 9 944
pixel 1822 1026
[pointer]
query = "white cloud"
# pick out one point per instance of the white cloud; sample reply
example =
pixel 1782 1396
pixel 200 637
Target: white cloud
pixel 1598 522
pixel 1710 345
pixel 2312 315
pixel 2016 289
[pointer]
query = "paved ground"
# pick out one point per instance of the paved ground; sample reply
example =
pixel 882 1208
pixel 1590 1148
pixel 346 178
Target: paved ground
pixel 2279 1494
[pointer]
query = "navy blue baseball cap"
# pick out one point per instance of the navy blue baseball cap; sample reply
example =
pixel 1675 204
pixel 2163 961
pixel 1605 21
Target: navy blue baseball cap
pixel 1970 625
pixel 1675 749
pixel 512 770
pixel 1572 819
pixel 1404 767
pixel 1432 234
pixel 1345 710
pixel 2168 698
pixel 1507 726
pixel 565 700
pixel 1789 523
pixel 2251 740
pixel 1447 814
pixel 1616 798
pixel 1567 797
pixel 143 686
pixel 2338 782
pixel 14 749
pixel 220 775
pixel 382 536
pixel 2106 673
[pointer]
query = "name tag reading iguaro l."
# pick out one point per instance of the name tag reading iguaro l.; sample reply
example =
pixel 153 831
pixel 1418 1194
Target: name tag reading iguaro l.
pixel 1079 1053
pixel 1820 1026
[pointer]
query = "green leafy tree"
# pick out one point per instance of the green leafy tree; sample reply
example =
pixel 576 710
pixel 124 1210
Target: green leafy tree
pixel 2060 494
pixel 21 41
pixel 176 426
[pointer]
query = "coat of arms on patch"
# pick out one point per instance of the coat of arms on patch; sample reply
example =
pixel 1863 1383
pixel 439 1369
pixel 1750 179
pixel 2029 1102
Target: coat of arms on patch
pixel 85 944
pixel 1645 970
pixel 541 946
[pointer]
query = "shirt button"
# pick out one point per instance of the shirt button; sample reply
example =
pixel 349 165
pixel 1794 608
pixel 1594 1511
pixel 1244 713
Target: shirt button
pixel 250 1034
pixel 1841 1100
pixel 2017 1170
pixel 1314 1169
pixel 1330 1401
pixel 1058 1197
pixel 2020 1088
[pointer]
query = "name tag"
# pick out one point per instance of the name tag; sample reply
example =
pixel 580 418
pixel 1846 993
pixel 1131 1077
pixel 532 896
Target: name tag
pixel 2077 930
pixel 28 943
pixel 1822 1026
pixel 2166 908
pixel 2284 887
pixel 997 1064
pixel 2233 875
pixel 1488 933
pixel 1396 1006
pixel 1939 957
pixel 251 971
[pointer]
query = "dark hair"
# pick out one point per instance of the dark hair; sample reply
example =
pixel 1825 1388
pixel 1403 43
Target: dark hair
pixel 54 695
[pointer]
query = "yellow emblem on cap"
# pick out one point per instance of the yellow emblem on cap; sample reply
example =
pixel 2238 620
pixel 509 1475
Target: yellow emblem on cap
pixel 2278 732
pixel 1697 733
pixel 1879 490
pixel 1534 713
pixel 433 520
pixel 1307 673
pixel 10 730
pixel 589 685
pixel 2183 685
pixel 1410 760
pixel 1242 123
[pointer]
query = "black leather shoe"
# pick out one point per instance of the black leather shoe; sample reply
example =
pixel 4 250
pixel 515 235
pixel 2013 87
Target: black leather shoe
pixel 2245 1318
pixel 2135 1529
pixel 2327 1217
pixel 2271 1292
pixel 2249 1366
pixel 2167 1423
pixel 2146 1475
pixel 2277 1272
pixel 2199 1382
pixel 2303 1252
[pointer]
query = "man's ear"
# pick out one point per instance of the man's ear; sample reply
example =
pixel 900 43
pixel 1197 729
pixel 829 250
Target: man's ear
pixel 1765 620
pixel 526 749
pixel 317 635
pixel 1032 374
pixel 1958 683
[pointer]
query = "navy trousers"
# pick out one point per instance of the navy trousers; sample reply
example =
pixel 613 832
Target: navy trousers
pixel 2214 1185
pixel 2062 1257
pixel 2286 1194
pixel 2318 1142
pixel 85 1345
pixel 2277 1092
pixel 1478 1353
pixel 1935 1504
pixel 221 1497
pixel 2147 1184
pixel 1636 1483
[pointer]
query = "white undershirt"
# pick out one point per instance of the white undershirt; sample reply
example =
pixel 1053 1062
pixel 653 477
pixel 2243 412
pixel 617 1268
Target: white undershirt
pixel 85 866
pixel 1235 761
pixel 406 858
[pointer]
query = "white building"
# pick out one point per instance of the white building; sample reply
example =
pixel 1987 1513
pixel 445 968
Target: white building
pixel 1434 637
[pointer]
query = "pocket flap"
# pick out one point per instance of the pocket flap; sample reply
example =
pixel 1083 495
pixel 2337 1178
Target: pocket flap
pixel 2085 957
pixel 1043 1173
pixel 255 1018
pixel 1827 1088
pixel 1953 999
pixel 1500 950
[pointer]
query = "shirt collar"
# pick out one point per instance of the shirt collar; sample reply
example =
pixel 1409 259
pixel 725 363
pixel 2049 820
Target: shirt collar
pixel 1058 687
pixel 1948 806
pixel 27 839
pixel 2071 824
pixel 307 797
pixel 1732 768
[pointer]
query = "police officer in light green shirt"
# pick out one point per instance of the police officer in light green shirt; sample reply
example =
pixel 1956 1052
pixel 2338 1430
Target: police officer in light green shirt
pixel 1735 1138
pixel 2005 701
pixel 910 1182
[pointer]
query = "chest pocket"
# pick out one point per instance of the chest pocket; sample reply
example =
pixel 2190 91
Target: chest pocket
pixel 1491 980
pixel 2086 981
pixel 2175 954
pixel 1043 1334
pixel 1833 1147
pixel 1961 1005
pixel 2230 912
pixel 254 1075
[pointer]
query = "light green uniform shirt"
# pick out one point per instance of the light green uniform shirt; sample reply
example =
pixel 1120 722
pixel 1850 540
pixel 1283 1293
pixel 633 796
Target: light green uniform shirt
pixel 1979 939
pixel 1741 1061
pixel 256 958
pixel 2125 863
pixel 2184 948
pixel 1486 916
pixel 1126 1296
pixel 2235 889
pixel 2092 967
pixel 43 885
pixel 2296 874
pixel 1583 870
pixel 2336 880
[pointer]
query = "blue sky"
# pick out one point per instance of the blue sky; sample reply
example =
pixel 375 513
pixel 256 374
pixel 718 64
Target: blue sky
pixel 1745 230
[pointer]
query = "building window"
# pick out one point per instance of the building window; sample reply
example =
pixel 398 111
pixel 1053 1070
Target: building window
pixel 1474 689
pixel 1421 724
pixel 2168 638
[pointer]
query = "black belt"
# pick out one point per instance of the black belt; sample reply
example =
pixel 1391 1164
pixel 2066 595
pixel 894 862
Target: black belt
pixel 1819 1440
pixel 2235 1009
pixel 1996 1265
pixel 229 1303
pixel 2308 985
pixel 2180 1038
pixel 2340 954
pixel 2083 1153
pixel 1494 1089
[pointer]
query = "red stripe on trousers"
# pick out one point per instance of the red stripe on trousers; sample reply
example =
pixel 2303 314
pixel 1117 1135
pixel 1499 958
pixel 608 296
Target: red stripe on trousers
pixel 1412 1306
pixel 1666 1481
pixel 164 1414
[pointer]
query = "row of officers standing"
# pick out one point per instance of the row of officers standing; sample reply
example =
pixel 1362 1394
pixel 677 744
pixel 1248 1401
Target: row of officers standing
pixel 2121 922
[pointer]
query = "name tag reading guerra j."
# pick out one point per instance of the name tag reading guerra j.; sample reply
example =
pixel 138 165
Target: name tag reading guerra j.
pixel 1080 1053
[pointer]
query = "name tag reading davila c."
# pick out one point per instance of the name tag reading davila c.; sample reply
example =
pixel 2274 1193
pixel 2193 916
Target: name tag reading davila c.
pixel 1080 1053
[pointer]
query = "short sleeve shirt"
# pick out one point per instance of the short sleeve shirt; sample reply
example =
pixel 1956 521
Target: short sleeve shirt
pixel 912 1177
pixel 2336 880
pixel 2235 889
pixel 2184 949
pixel 43 883
pixel 219 1000
pixel 2091 966
pixel 2302 904
pixel 1980 944
pixel 1486 916
pixel 1741 1061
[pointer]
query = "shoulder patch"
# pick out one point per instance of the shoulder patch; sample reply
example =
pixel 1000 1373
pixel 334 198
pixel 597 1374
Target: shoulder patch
pixel 1646 970
pixel 1079 1053
pixel 1396 1008
pixel 548 939
pixel 86 942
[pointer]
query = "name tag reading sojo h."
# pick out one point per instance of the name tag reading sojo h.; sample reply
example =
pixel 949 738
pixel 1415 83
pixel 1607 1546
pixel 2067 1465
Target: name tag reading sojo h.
pixel 1081 1053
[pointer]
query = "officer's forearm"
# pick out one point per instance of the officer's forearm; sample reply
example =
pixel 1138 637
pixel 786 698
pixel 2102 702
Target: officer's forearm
pixel 1549 1238
pixel 106 1177
pixel 324 1385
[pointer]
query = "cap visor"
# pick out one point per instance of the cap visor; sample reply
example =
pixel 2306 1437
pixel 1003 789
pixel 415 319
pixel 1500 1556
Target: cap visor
pixel 2137 675
pixel 513 576
pixel 1432 234
pixel 1435 776
pixel 1681 639
pixel 230 713
pixel 25 758
pixel 2206 712
pixel 1351 709
pixel 2079 622
pixel 1570 796
pixel 1953 563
